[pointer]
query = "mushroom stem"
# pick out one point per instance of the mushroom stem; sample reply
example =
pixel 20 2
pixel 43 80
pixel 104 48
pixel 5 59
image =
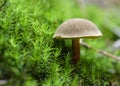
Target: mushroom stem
pixel 76 50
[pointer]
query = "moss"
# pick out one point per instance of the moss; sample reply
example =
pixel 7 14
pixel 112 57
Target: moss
pixel 29 56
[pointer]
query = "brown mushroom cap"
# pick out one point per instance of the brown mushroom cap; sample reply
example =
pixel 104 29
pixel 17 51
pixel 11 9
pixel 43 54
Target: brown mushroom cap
pixel 77 28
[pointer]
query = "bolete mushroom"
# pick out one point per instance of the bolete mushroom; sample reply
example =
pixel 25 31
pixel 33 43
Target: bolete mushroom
pixel 75 29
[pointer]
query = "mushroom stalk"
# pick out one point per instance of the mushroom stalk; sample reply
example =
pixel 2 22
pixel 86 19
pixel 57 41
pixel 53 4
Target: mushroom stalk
pixel 76 50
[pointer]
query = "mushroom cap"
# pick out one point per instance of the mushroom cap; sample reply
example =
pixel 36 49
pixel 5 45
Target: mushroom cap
pixel 77 28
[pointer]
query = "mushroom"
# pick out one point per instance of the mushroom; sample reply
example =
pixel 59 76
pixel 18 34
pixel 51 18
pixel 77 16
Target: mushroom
pixel 75 29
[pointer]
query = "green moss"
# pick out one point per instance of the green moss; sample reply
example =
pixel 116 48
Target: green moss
pixel 29 56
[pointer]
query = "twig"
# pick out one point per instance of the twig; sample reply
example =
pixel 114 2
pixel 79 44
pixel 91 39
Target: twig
pixel 101 51
pixel 3 82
